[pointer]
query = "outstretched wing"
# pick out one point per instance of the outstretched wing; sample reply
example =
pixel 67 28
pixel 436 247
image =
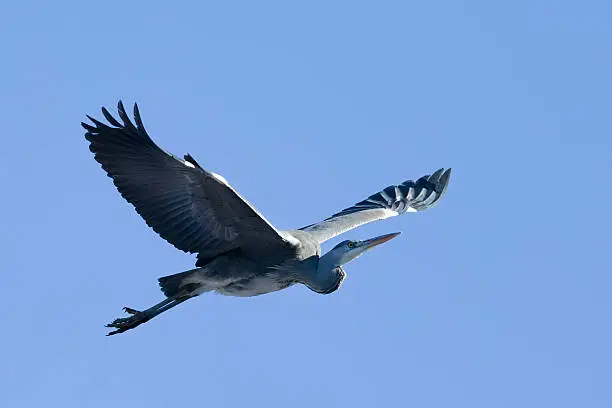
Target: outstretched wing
pixel 195 210
pixel 410 196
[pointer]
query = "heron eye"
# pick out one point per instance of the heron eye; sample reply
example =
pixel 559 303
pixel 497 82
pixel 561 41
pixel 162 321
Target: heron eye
pixel 351 245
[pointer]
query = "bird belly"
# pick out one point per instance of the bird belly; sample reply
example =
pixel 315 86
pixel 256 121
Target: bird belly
pixel 257 285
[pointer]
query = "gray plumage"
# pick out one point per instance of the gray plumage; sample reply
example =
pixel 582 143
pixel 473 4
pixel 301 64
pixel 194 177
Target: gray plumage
pixel 239 253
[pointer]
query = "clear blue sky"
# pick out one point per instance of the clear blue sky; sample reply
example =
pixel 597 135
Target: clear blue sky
pixel 497 297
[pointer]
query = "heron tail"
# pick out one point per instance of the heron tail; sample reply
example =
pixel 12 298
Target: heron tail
pixel 172 284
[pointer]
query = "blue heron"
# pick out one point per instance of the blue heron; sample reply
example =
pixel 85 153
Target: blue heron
pixel 239 252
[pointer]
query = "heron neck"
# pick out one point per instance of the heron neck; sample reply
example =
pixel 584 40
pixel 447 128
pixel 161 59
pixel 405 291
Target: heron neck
pixel 328 275
pixel 328 262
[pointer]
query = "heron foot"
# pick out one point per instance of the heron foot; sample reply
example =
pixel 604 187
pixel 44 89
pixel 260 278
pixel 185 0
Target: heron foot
pixel 139 317
pixel 130 310
pixel 126 323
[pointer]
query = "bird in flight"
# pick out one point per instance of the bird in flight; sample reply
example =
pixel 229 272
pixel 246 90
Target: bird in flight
pixel 239 252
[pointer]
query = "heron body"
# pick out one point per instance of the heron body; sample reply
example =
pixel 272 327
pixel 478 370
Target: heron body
pixel 239 252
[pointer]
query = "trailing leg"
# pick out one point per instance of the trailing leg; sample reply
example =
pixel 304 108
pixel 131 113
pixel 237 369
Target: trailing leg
pixel 140 317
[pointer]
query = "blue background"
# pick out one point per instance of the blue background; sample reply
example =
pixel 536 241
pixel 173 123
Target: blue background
pixel 497 297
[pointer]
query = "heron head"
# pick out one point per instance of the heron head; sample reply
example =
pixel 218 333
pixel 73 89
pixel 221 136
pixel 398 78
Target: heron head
pixel 348 250
pixel 329 274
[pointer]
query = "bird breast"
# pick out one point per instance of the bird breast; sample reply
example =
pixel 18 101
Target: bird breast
pixel 256 285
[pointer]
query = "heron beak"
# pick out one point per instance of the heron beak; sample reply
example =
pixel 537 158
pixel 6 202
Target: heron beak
pixel 371 243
